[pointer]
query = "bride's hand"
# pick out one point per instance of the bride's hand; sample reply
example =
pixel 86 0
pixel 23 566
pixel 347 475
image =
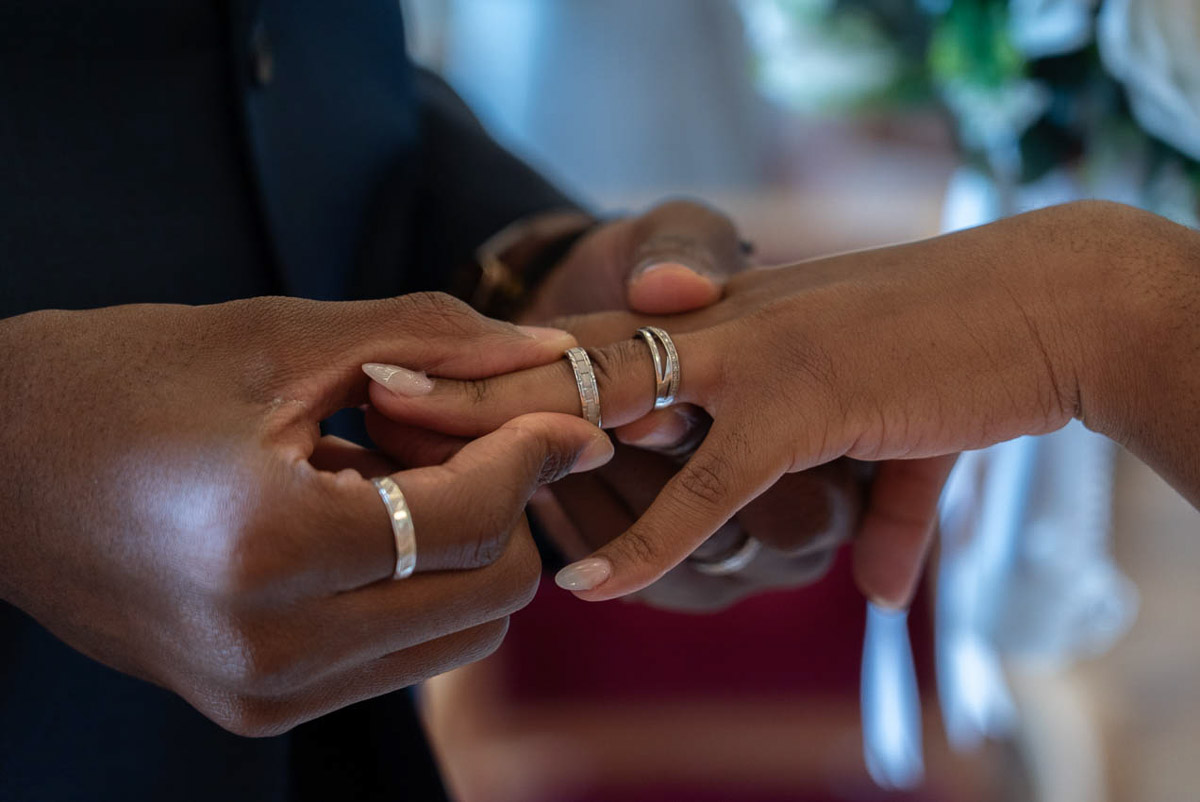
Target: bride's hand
pixel 673 259
pixel 906 354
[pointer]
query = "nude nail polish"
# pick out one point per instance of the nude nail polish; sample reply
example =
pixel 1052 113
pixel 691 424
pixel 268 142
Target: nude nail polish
pixel 400 381
pixel 585 574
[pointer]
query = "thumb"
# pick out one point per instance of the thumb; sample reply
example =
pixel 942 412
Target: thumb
pixel 462 511
pixel 681 254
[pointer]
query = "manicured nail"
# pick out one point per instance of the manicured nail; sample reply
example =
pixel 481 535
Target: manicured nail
pixel 547 334
pixel 597 453
pixel 400 381
pixel 585 574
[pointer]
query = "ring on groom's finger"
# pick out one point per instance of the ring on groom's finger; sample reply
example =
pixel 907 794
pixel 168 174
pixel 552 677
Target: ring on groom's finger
pixel 402 526
pixel 585 380
pixel 666 364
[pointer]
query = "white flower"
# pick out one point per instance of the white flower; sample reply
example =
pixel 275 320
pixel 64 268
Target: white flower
pixel 1153 47
pixel 1040 28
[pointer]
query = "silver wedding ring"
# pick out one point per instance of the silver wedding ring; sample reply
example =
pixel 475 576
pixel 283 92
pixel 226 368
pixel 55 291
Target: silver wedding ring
pixel 585 380
pixel 731 560
pixel 402 526
pixel 666 364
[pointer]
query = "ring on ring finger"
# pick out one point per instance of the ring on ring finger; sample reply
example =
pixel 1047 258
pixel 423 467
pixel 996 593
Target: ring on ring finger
pixel 666 364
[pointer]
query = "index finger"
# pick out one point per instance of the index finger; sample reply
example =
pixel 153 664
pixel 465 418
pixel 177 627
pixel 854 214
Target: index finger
pixel 719 479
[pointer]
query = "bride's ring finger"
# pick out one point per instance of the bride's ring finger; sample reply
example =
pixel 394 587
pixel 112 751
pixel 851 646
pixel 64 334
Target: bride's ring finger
pixel 622 381
pixel 666 364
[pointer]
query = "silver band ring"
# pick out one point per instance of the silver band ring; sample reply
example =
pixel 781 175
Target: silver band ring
pixel 731 561
pixel 666 364
pixel 585 380
pixel 402 526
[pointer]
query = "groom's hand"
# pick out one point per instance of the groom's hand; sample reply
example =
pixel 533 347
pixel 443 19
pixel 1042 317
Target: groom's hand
pixel 172 510
pixel 674 258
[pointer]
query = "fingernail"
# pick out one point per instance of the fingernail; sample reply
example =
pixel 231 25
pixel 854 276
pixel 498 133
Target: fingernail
pixel 547 334
pixel 667 434
pixel 400 381
pixel 597 453
pixel 655 438
pixel 653 266
pixel 585 574
pixel 671 428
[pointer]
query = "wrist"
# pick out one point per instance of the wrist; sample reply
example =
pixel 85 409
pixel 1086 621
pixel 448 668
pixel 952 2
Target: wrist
pixel 1135 303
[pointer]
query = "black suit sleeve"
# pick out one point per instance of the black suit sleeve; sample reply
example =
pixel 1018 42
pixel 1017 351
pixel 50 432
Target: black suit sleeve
pixel 458 189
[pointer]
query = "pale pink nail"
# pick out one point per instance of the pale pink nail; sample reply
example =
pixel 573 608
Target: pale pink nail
pixel 585 574
pixel 400 381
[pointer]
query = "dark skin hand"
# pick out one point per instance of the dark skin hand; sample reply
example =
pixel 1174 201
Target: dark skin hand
pixel 172 510
pixel 902 356
pixel 674 258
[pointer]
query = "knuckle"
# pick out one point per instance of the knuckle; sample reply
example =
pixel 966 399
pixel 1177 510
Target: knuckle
pixel 486 525
pixel 434 302
pixel 476 390
pixel 445 313
pixel 612 362
pixel 254 665
pixel 705 479
pixel 555 465
pixel 248 716
pixel 488 546
pixel 523 578
pixel 483 641
pixel 251 568
pixel 638 546
pixel 491 636
pixel 547 457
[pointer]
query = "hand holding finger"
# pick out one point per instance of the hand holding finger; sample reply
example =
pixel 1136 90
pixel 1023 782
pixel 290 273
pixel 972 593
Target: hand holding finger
pixel 463 509
pixel 681 254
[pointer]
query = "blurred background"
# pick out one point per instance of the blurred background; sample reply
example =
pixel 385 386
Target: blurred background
pixel 822 126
